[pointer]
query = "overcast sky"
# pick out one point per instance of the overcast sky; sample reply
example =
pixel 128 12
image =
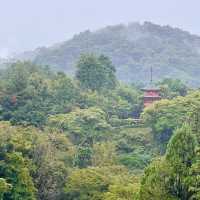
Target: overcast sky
pixel 28 24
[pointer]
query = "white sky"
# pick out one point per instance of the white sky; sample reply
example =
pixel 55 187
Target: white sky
pixel 28 24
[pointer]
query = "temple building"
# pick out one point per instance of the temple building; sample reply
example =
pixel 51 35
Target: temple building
pixel 151 93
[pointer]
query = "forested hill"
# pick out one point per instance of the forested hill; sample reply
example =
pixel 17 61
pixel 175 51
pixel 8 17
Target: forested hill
pixel 133 49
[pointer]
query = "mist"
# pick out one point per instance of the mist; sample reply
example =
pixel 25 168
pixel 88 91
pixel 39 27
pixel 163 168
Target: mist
pixel 26 25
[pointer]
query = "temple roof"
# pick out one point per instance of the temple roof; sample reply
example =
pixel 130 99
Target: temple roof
pixel 151 87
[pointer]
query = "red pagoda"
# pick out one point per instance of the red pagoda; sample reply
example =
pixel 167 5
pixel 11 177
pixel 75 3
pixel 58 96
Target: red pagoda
pixel 151 93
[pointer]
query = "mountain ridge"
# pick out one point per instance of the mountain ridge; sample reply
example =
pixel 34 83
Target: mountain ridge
pixel 133 48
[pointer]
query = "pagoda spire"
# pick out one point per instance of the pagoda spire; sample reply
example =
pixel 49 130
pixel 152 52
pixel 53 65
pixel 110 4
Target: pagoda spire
pixel 151 75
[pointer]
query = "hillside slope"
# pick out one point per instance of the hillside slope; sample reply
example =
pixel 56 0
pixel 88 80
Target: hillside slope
pixel 133 49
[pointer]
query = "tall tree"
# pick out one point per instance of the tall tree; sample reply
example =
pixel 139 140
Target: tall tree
pixel 155 184
pixel 181 155
pixel 109 72
pixel 171 88
pixel 95 73
pixel 170 176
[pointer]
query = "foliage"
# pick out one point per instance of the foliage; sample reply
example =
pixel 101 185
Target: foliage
pixel 167 115
pixel 95 73
pixel 64 93
pixel 135 147
pixel 156 183
pixel 123 102
pixel 83 125
pixel 65 141
pixel 193 181
pixel 121 192
pixel 133 49
pixel 55 130
pixel 51 157
pixel 135 160
pixel 169 177
pixel 101 183
pixel 104 154
pixel 181 154
pixel 33 162
pixel 13 168
pixel 83 157
pixel 4 187
pixel 171 88
pixel 30 93
pixel 86 184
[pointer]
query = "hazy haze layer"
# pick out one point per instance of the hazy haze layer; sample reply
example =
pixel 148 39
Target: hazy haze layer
pixel 25 25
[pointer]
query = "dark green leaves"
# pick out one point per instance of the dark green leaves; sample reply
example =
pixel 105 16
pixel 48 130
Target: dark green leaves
pixel 95 73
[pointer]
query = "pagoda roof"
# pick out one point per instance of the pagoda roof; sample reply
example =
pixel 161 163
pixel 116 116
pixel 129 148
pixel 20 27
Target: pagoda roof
pixel 151 87
pixel 153 96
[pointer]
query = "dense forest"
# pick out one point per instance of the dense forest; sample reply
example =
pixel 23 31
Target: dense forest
pixel 133 48
pixel 64 138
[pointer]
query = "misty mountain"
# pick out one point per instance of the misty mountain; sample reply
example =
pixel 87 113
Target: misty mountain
pixel 133 48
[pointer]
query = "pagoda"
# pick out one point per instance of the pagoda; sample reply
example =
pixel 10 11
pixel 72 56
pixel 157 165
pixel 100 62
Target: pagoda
pixel 151 93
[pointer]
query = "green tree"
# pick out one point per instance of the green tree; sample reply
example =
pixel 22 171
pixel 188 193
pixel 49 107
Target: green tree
pixel 64 94
pixel 13 168
pixel 83 156
pixel 41 156
pixel 156 183
pixel 104 154
pixel 181 154
pixel 102 183
pixel 50 170
pixel 86 184
pixel 25 88
pixel 167 115
pixel 126 188
pixel 29 93
pixel 122 192
pixel 4 188
pixel 171 88
pixel 95 73
pixel 110 78
pixel 85 126
pixel 169 178
pixel 193 180
pixel 123 102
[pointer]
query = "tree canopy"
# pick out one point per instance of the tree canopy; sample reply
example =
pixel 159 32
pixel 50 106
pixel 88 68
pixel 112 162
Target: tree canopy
pixel 77 138
pixel 95 73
